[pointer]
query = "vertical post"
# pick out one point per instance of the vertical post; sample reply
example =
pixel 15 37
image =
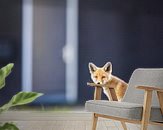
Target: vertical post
pixel 27 40
pixel 146 109
pixel 70 51
pixel 97 93
pixel 97 96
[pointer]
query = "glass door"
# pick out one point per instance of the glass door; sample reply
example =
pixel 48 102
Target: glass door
pixel 50 50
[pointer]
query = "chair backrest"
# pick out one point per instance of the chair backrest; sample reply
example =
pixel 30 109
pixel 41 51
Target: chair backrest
pixel 147 77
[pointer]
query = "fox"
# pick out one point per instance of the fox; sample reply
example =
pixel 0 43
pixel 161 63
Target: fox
pixel 113 87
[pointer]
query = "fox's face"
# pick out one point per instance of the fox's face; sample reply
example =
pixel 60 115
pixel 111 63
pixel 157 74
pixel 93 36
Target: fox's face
pixel 100 75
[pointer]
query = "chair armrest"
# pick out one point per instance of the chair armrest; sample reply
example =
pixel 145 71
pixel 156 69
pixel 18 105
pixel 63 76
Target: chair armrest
pixel 98 90
pixel 98 85
pixel 148 99
pixel 94 85
pixel 148 88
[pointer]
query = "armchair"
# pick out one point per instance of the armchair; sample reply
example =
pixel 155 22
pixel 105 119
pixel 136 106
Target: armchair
pixel 138 107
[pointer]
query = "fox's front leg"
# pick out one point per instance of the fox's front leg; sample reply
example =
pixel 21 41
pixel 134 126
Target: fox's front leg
pixel 120 91
pixel 107 92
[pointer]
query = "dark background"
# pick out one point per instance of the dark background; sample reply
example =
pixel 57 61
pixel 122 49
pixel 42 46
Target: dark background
pixel 10 45
pixel 127 33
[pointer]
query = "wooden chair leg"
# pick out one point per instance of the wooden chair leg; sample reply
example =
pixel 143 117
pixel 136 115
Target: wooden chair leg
pixel 124 125
pixel 160 98
pixel 144 126
pixel 94 122
pixel 146 110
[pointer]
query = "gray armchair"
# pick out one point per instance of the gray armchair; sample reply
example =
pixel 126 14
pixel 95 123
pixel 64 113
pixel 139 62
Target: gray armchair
pixel 142 103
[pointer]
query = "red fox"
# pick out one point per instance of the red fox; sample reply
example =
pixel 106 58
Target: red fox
pixel 114 88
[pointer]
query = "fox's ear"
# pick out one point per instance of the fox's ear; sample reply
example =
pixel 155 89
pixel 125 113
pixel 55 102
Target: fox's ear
pixel 92 67
pixel 108 67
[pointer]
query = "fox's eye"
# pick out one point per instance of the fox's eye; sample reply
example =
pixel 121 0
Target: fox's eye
pixel 95 77
pixel 103 77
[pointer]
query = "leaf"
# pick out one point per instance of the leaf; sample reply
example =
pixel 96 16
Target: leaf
pixel 8 126
pixel 20 99
pixel 4 72
pixel 5 107
pixel 24 98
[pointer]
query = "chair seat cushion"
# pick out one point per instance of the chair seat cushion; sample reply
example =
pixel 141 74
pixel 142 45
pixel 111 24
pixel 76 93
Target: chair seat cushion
pixel 131 111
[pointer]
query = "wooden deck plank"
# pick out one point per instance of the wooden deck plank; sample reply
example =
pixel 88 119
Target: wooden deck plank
pixel 27 120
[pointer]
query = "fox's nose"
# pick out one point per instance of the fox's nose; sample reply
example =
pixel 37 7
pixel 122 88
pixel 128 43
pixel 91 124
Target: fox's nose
pixel 98 83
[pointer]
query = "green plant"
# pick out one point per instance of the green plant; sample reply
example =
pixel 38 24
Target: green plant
pixel 20 98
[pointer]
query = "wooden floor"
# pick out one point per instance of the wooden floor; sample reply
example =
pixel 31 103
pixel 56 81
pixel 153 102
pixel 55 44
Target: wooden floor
pixel 30 120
